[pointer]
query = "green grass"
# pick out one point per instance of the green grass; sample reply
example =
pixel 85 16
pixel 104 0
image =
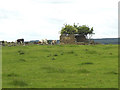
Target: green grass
pixel 60 66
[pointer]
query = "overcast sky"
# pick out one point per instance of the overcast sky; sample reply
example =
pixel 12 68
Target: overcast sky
pixel 40 19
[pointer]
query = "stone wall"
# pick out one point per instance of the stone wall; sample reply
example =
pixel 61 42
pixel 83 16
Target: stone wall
pixel 67 39
pixel 72 39
pixel 80 38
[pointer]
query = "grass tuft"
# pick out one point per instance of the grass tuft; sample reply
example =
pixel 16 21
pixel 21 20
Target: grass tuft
pixel 62 53
pixel 86 63
pixel 86 49
pixel 91 52
pixel 55 55
pixel 21 52
pixel 22 60
pixel 12 75
pixel 76 54
pixel 110 53
pixel 21 83
pixel 49 55
pixel 112 72
pixel 83 71
pixel 50 69
pixel 53 58
pixel 71 52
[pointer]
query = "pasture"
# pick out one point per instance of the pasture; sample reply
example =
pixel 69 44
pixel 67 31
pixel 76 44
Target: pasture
pixel 60 66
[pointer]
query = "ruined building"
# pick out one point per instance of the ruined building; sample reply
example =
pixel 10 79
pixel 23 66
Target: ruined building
pixel 72 38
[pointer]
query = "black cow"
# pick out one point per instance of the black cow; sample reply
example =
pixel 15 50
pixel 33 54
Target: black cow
pixel 2 43
pixel 20 41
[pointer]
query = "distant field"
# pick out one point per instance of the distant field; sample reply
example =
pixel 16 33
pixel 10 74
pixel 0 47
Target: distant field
pixel 60 66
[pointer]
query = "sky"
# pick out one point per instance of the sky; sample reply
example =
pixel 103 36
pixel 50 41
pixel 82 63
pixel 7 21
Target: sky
pixel 43 19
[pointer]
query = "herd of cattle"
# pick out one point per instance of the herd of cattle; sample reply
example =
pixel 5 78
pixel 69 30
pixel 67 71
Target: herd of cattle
pixel 22 42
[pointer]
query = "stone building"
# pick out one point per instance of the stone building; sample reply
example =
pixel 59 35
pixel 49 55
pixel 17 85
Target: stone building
pixel 72 39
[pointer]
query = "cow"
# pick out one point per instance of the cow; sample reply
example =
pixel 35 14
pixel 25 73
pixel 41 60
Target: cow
pixel 53 42
pixel 12 43
pixel 2 43
pixel 20 41
pixel 46 41
pixel 92 42
pixel 43 42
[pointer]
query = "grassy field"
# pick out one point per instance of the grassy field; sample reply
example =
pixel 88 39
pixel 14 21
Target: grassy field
pixel 60 66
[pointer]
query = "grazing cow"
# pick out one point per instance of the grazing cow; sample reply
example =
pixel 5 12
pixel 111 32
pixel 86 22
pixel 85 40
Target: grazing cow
pixel 92 42
pixel 20 41
pixel 39 42
pixel 3 43
pixel 0 43
pixel 12 43
pixel 46 41
pixel 43 42
pixel 53 42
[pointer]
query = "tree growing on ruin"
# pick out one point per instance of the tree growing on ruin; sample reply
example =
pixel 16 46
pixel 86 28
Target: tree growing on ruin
pixel 77 29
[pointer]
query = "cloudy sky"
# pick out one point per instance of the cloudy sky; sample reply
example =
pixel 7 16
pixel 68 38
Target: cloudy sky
pixel 40 19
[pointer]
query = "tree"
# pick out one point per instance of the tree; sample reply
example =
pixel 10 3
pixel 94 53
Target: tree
pixel 90 34
pixel 76 29
pixel 68 29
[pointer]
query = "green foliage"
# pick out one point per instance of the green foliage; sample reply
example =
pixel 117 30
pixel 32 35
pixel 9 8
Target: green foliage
pixel 76 29
pixel 85 30
pixel 68 29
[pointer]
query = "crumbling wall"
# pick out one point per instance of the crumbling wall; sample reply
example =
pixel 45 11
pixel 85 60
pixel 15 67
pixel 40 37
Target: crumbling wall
pixel 72 39
pixel 67 39
pixel 80 38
